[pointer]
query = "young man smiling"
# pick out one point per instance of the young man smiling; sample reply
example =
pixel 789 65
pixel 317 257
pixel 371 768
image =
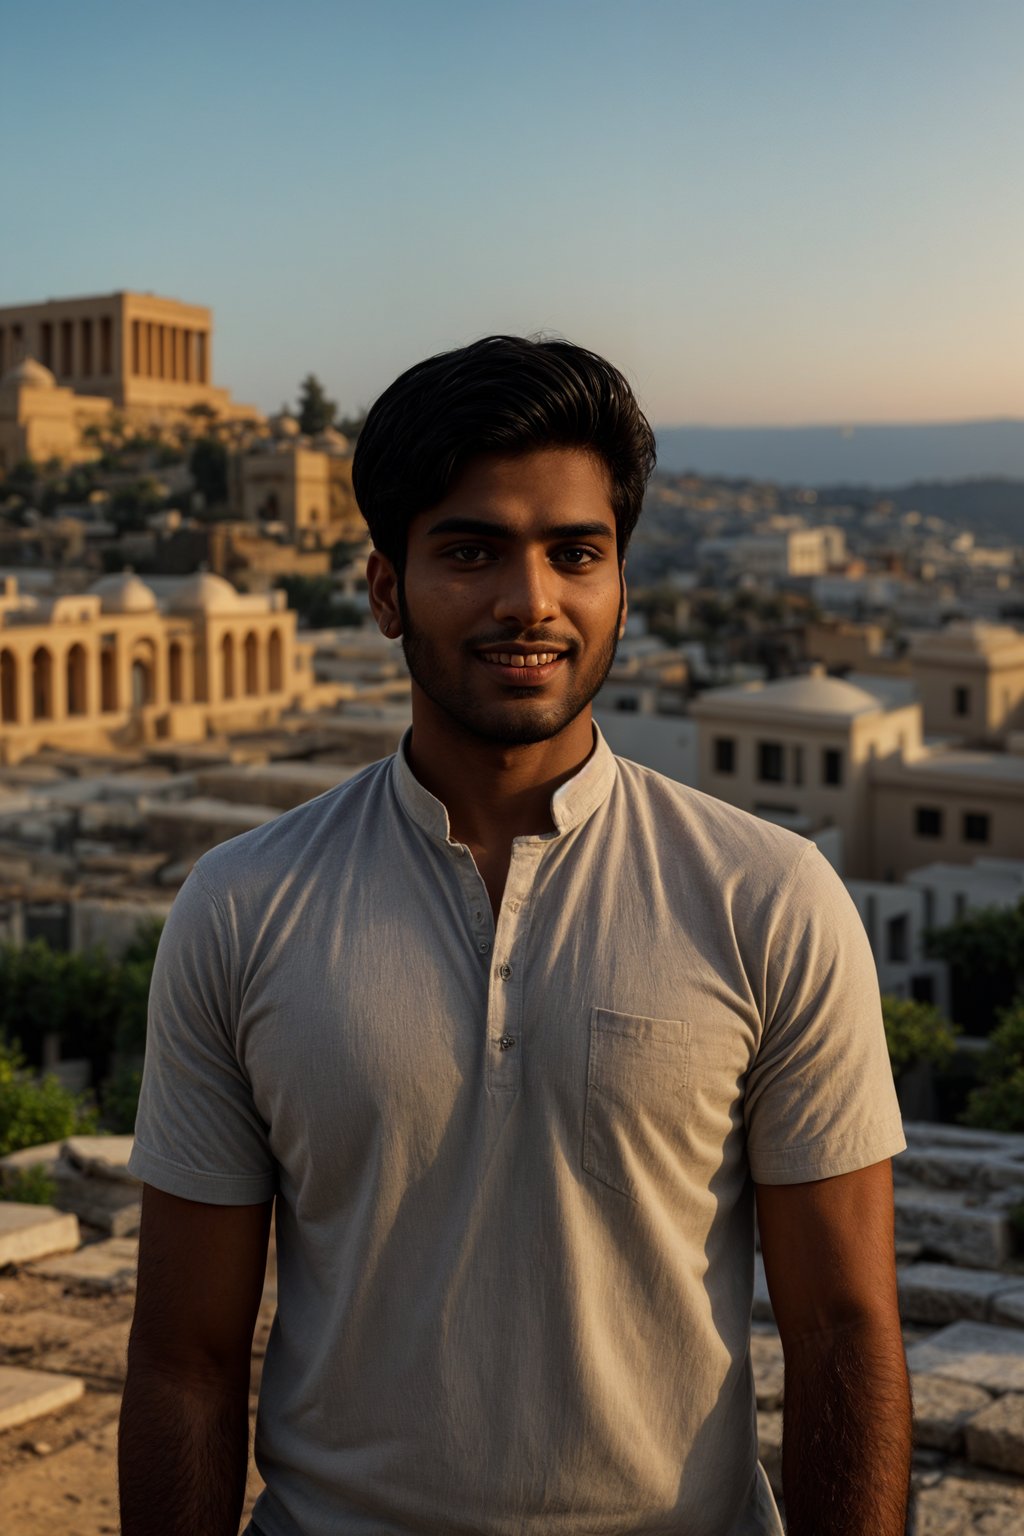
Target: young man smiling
pixel 515 1032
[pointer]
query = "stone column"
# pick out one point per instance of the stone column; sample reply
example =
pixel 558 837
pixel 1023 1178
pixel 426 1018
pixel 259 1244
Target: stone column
pixel 23 685
pixel 204 357
pixel 59 686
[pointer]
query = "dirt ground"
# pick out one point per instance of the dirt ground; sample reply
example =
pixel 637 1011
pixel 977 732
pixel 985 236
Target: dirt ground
pixel 58 1474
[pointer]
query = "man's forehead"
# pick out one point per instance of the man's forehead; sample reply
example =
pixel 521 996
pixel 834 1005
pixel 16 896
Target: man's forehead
pixel 563 487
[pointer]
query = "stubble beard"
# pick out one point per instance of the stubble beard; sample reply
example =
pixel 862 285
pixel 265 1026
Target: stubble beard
pixel 498 725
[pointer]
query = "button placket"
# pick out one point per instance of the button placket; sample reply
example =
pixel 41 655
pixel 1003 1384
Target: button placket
pixel 505 990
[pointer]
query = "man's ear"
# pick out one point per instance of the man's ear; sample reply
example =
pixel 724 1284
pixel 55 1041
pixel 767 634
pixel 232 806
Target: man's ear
pixel 624 614
pixel 382 584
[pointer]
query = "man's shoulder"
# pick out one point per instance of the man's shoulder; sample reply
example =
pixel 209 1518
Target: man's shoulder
pixel 723 833
pixel 298 839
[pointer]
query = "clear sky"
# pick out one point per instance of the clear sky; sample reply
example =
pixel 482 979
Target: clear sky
pixel 766 211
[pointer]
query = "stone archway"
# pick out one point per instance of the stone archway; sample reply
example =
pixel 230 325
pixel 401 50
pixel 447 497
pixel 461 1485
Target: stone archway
pixel 251 667
pixel 42 684
pixel 75 670
pixel 8 688
pixel 227 666
pixel 276 661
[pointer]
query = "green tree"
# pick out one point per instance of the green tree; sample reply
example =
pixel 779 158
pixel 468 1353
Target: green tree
pixel 312 597
pixel 32 1110
pixel 208 465
pixel 998 1104
pixel 316 412
pixel 985 950
pixel 915 1032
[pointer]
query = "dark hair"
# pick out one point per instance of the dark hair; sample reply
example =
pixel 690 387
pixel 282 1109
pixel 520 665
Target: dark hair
pixel 505 395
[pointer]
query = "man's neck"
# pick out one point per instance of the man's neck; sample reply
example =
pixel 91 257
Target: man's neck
pixel 494 794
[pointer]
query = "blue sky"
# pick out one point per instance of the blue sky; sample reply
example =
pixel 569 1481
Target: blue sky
pixel 766 211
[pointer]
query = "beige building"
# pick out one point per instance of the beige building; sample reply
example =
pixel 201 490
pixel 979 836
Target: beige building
pixel 115 666
pixel 970 679
pixel 950 805
pixel 303 483
pixel 41 419
pixel 800 752
pixel 149 357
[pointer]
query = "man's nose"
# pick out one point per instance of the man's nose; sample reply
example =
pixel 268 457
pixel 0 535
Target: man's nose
pixel 527 593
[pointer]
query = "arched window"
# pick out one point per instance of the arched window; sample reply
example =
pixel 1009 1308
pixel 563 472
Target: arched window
pixel 275 659
pixel 108 679
pixel 227 659
pixel 252 674
pixel 175 672
pixel 8 687
pixel 76 665
pixel 142 683
pixel 42 684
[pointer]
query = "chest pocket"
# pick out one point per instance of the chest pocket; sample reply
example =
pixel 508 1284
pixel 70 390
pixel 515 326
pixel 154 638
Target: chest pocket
pixel 637 1074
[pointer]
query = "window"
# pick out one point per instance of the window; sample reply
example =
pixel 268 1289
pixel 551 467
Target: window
pixel 976 826
pixel 961 701
pixel 798 765
pixel 896 939
pixel 928 821
pixel 831 766
pixel 922 989
pixel 725 754
pixel 769 762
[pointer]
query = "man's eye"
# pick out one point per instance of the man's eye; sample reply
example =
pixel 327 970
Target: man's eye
pixel 576 555
pixel 468 554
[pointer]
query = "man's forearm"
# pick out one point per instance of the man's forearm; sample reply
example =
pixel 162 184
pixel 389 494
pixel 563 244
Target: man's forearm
pixel 846 1438
pixel 182 1454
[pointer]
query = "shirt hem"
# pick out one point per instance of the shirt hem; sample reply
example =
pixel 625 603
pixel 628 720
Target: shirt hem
pixel 803 1165
pixel 197 1183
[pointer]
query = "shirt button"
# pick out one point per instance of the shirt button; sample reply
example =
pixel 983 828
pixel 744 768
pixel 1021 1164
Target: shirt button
pixel 513 906
pixel 504 971
pixel 483 945
pixel 506 1042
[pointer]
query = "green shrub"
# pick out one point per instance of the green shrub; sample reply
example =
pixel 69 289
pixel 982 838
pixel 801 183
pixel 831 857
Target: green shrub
pixel 28 1186
pixel 998 1104
pixel 915 1032
pixel 33 1110
pixel 119 1100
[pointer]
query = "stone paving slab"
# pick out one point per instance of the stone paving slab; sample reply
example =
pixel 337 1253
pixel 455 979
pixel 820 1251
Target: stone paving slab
pixel 941 1409
pixel 975 1234
pixel 995 1436
pixel 105 1266
pixel 929 1133
pixel 110 1205
pixel 34 1231
pixel 42 1156
pixel 101 1353
pixel 1008 1307
pixel 950 1168
pixel 26 1395
pixel 968 1505
pixel 978 1353
pixel 40 1329
pixel 101 1156
pixel 945 1293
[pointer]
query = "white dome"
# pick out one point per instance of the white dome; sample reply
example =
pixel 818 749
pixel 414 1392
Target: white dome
pixel 205 593
pixel 801 695
pixel 29 372
pixel 331 440
pixel 124 593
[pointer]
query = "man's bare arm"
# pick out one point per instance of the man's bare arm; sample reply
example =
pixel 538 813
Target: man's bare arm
pixel 846 1442
pixel 183 1445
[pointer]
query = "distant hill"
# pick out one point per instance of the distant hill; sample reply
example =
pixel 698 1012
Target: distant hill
pixel 874 456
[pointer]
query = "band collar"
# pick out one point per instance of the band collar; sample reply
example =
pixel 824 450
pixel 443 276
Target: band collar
pixel 571 804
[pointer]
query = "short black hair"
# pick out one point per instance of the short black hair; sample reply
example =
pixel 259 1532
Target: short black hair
pixel 502 395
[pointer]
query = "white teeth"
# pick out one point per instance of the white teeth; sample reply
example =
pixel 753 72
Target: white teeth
pixel 532 659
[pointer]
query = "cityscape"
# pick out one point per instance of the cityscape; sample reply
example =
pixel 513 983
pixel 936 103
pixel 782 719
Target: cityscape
pixel 796 233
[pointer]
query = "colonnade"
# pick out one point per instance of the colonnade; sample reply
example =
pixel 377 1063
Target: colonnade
pixel 171 352
pixel 53 683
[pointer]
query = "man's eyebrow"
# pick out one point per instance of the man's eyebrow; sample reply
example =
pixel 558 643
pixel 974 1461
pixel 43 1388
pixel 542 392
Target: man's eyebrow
pixel 483 528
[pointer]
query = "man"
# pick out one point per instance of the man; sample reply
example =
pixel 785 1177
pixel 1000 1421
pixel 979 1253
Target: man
pixel 512 1030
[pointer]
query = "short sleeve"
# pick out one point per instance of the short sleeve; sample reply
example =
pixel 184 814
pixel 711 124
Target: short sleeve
pixel 819 1098
pixel 198 1134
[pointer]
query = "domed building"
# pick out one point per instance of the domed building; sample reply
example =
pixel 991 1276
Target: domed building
pixel 40 419
pixel 133 661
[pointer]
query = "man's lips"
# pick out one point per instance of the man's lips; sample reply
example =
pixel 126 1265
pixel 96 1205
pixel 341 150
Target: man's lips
pixel 522 668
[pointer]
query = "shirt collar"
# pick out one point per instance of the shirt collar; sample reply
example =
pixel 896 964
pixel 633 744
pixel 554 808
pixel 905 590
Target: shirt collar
pixel 571 804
